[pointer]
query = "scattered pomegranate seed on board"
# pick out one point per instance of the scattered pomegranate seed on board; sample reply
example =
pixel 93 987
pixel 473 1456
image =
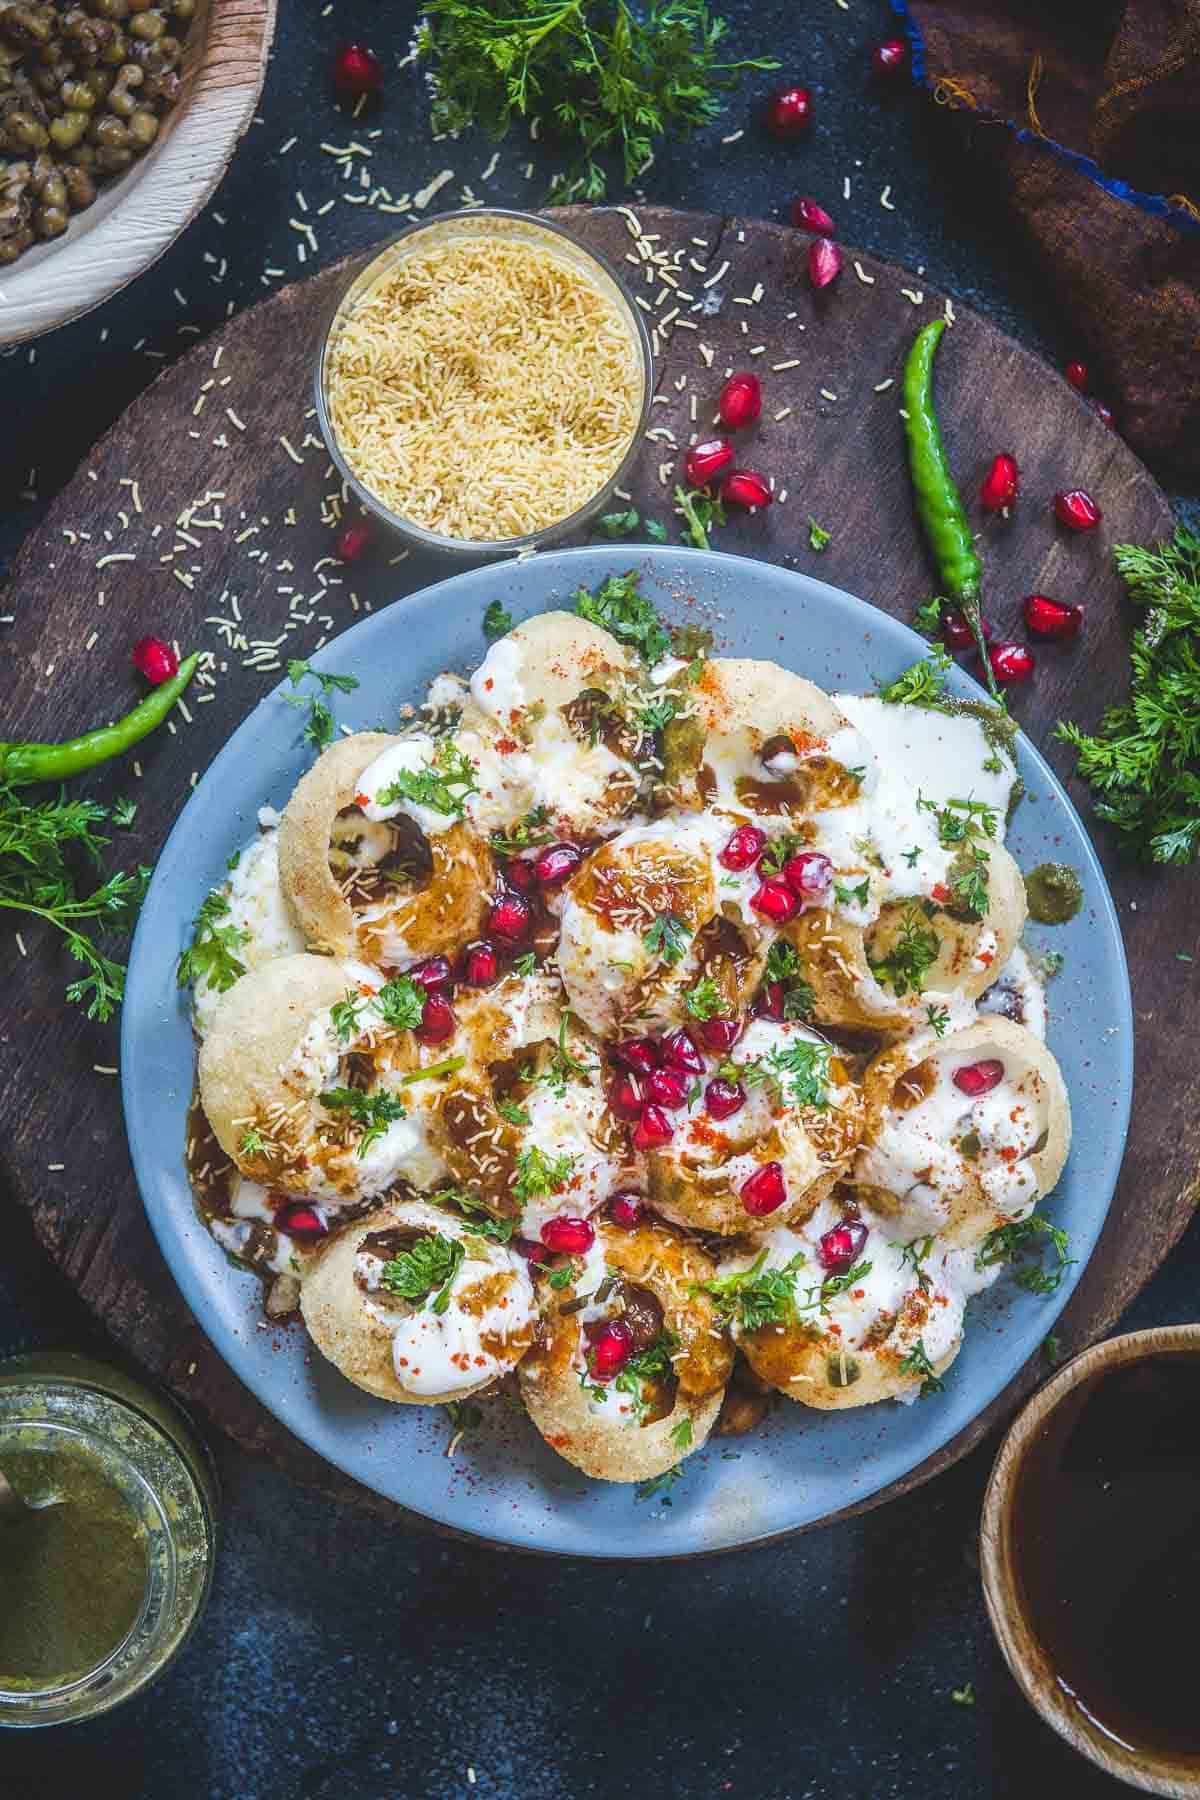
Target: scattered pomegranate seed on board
pixel 353 541
pixel 1051 618
pixel 1079 376
pixel 810 216
pixel 357 70
pixel 740 401
pixel 825 262
pixel 957 634
pixel 1076 509
pixel 789 113
pixel 1104 414
pixel 746 487
pixel 889 57
pixel 704 462
pixel 1001 483
pixel 1011 663
pixel 155 660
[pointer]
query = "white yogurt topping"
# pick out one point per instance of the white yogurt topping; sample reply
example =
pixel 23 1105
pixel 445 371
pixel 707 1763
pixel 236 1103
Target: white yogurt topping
pixel 257 908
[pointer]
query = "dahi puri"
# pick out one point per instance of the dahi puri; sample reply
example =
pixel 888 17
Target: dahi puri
pixel 619 1016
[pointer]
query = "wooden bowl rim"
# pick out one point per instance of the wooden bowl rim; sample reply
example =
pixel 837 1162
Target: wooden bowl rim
pixel 1153 1773
pixel 167 193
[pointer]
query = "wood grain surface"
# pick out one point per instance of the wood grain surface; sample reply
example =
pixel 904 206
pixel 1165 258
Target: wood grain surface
pixel 204 444
pixel 135 219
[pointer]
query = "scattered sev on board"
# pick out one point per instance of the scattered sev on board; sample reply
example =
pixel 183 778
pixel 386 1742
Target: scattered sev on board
pixel 484 390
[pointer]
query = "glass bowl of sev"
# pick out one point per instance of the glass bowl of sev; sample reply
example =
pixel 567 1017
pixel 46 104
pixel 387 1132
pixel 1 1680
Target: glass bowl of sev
pixel 484 383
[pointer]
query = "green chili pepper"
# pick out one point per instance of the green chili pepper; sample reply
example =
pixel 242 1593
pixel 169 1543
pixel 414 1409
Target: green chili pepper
pixel 940 509
pixel 21 764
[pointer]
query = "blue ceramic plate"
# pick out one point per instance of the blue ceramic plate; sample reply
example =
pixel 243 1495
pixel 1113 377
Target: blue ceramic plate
pixel 503 1483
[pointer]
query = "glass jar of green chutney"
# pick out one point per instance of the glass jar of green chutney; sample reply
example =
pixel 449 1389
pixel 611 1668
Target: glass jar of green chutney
pixel 105 1576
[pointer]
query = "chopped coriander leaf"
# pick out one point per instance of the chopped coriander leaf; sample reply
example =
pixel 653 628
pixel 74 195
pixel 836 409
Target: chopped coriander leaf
pixel 538 1174
pixel 618 524
pixel 845 895
pixel 496 621
pixel 800 1073
pixel 1143 760
pixel 464 1415
pixel 1052 1350
pixel 373 1112
pixel 818 537
pixel 428 1268
pixel 911 856
pixel 937 1018
pixel 660 1487
pixel 922 684
pixel 682 1435
pixel 656 530
pixel 344 1015
pixel 1180 956
pixel 565 1275
pixel 914 1255
pixel 755 1297
pixel 252 1142
pixel 400 1003
pixel 917 1363
pixel 562 1066
pixel 525 965
pixel 657 714
pixel 526 834
pixel 1050 964
pixel 124 811
pixel 620 608
pixel 329 684
pixel 817 1298
pixel 668 938
pixel 800 999
pixel 1008 1243
pixel 965 1695
pixel 960 820
pixel 516 1115
pixel 319 726
pixel 706 1001
pixel 481 1222
pixel 911 957
pixel 927 617
pixel 700 513
pixel 969 881
pixel 783 961
pixel 443 784
pixel 651 1365
pixel 211 955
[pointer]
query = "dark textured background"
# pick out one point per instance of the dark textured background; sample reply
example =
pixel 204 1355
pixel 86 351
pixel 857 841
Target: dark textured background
pixel 342 1657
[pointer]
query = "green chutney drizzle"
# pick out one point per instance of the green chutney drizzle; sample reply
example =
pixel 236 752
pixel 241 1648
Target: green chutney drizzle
pixel 1054 892
pixel 72 1577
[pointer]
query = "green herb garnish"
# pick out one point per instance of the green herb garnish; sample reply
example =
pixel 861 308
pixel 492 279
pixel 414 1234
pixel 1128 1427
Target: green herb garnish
pixel 706 1001
pixel 526 834
pixel 922 683
pixel 319 726
pixel 212 956
pixel 911 957
pixel 496 622
pixel 800 1073
pixel 917 1363
pixel 401 1003
pixel 818 537
pixel 700 513
pixel 538 1174
pixel 1010 1243
pixel 427 1268
pixel 845 895
pixel 373 1112
pixel 443 784
pixel 757 1296
pixel 668 938
pixel 619 607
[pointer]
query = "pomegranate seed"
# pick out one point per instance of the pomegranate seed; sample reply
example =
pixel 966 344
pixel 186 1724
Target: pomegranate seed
pixel 568 1236
pixel 789 113
pixel 723 1098
pixel 532 1251
pixel 302 1222
pixel 979 1077
pixel 1104 414
pixel 825 262
pixel 721 1034
pixel 666 1087
pixel 1011 663
pixel 352 542
pixel 679 1052
pixel 480 965
pixel 626 1209
pixel 740 401
pixel 433 973
pixel 437 1020
pixel 746 487
pixel 957 634
pixel 704 462
pixel 769 1001
pixel 642 1054
pixel 1076 509
pixel 743 849
pixel 510 917
pixel 811 217
pixel 889 57
pixel 555 864
pixel 1001 483
pixel 612 1346
pixel 357 70
pixel 155 660
pixel 765 1191
pixel 1051 618
pixel 1079 376
pixel 809 874
pixel 775 900
pixel 839 1249
pixel 652 1129
pixel 625 1097
pixel 518 872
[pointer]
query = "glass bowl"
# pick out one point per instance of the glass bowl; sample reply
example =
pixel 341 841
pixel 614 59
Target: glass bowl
pixel 509 227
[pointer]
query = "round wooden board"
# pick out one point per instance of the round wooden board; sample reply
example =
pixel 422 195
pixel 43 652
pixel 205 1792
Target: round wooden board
pixel 207 439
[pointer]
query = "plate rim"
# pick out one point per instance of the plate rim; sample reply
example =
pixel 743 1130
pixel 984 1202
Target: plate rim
pixel 648 559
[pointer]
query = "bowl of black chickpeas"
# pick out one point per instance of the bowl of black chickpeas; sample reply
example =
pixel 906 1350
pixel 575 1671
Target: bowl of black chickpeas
pixel 117 120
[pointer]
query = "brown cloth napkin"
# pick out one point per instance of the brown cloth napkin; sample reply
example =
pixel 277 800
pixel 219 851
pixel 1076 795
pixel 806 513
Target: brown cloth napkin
pixel 1091 109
